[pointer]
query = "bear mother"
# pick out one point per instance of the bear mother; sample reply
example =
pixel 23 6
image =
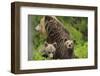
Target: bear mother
pixel 55 32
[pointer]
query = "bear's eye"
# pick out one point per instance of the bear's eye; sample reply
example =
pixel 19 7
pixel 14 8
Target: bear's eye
pixel 65 39
pixel 49 52
pixel 67 43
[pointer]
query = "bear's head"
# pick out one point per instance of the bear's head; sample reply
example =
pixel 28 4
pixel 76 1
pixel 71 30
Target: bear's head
pixel 41 26
pixel 49 50
pixel 69 44
pixel 45 20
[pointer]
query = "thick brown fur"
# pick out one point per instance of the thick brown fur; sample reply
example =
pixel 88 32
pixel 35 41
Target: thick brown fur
pixel 56 32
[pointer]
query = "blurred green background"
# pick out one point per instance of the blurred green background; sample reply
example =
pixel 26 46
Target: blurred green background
pixel 78 28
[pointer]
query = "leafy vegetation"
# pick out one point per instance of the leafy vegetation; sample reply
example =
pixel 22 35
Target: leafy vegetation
pixel 77 26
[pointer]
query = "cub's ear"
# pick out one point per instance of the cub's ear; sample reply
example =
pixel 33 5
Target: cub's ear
pixel 48 18
pixel 46 44
pixel 55 44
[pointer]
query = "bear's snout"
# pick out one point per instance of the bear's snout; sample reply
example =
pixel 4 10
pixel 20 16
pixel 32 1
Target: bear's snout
pixel 37 28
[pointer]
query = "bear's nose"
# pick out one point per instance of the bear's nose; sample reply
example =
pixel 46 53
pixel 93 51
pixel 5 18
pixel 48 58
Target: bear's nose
pixel 69 45
pixel 37 28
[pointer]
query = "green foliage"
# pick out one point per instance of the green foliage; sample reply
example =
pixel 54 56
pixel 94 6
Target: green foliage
pixel 81 50
pixel 38 56
pixel 37 39
pixel 77 27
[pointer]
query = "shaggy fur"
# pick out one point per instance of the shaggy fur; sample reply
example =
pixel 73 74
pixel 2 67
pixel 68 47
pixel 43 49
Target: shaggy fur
pixel 56 32
pixel 49 50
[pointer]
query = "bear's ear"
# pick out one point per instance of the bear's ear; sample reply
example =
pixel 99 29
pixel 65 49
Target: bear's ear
pixel 55 44
pixel 46 44
pixel 48 18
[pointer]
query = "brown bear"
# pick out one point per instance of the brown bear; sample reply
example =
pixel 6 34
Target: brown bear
pixel 55 32
pixel 49 50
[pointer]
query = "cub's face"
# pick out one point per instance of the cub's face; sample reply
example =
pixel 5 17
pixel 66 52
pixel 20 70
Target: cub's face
pixel 49 50
pixel 69 44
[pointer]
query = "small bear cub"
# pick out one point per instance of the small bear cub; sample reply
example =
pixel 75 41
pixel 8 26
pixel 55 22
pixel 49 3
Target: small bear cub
pixel 49 50
pixel 69 44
